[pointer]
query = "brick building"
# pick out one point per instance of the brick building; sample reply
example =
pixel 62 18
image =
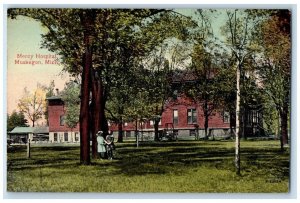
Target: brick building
pixel 187 119
pixel 185 115
pixel 58 130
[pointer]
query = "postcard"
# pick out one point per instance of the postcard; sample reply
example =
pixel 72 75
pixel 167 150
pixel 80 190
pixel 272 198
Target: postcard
pixel 162 100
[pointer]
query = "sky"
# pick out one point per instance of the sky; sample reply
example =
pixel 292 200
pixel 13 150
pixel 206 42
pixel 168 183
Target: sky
pixel 23 38
pixel 23 41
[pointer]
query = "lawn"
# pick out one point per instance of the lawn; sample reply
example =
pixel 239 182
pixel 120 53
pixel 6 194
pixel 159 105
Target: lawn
pixel 185 166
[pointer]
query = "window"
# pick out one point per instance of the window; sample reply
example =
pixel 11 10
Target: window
pixel 175 117
pixel 76 137
pixel 128 133
pixel 55 137
pixel 226 117
pixel 192 116
pixel 66 137
pixel 62 120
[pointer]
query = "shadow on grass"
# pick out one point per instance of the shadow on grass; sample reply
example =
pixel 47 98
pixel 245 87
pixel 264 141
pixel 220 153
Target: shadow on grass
pixel 173 159
pixel 177 157
pixel 51 157
pixel 158 158
pixel 272 161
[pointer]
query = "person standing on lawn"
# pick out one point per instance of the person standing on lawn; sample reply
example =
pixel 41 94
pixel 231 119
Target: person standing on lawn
pixel 109 146
pixel 101 144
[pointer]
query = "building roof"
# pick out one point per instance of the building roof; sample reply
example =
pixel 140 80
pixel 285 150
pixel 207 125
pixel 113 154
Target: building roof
pixel 34 130
pixel 182 76
pixel 22 130
pixel 41 130
pixel 56 97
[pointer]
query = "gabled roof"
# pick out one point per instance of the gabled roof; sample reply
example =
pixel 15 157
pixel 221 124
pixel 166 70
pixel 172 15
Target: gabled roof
pixel 22 130
pixel 34 130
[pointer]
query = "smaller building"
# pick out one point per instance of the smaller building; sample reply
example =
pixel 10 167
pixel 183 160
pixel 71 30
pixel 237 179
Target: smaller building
pixel 22 134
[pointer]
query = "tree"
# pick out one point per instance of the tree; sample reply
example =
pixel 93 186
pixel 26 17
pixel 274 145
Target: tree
pixel 157 89
pixel 49 93
pixel 118 103
pixel 160 68
pixel 70 96
pixel 33 105
pixel 227 92
pixel 205 89
pixel 275 66
pixel 238 30
pixel 16 119
pixel 87 20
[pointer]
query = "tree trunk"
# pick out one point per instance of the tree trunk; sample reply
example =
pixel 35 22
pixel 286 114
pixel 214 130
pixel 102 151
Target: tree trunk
pixel 243 117
pixel 92 125
pixel 232 123
pixel 206 127
pixel 278 126
pixel 87 20
pixel 205 109
pixel 284 125
pixel 120 130
pixel 136 133
pixel 99 119
pixel 156 133
pixel 96 111
pixel 84 112
pixel 237 122
pixel 103 120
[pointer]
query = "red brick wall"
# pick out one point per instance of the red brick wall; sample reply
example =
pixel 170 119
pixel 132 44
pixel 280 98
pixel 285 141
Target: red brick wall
pixel 55 110
pixel 182 104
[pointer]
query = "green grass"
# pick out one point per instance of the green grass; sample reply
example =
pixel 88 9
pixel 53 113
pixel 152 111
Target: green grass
pixel 190 166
